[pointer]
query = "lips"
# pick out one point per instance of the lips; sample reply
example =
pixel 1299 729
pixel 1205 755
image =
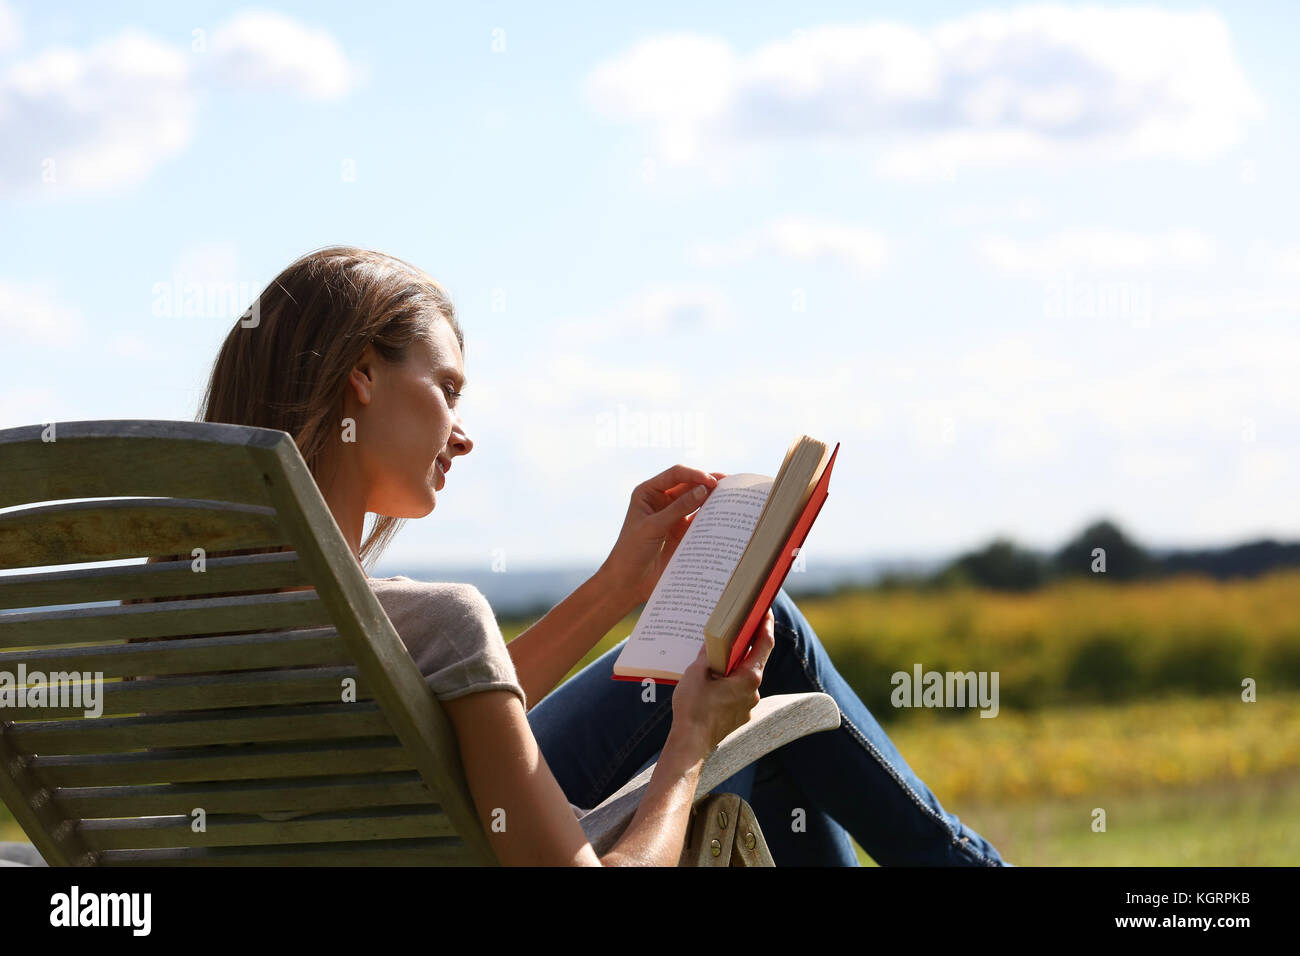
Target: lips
pixel 445 467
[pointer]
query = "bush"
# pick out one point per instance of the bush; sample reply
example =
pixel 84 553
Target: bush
pixel 1103 667
pixel 1206 664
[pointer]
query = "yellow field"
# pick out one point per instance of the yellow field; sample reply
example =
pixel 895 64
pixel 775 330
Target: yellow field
pixel 1074 642
pixel 1102 751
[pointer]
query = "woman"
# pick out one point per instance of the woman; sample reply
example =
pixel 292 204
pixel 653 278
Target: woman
pixel 360 357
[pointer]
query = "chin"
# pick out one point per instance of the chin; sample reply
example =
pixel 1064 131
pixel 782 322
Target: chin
pixel 419 506
pixel 431 503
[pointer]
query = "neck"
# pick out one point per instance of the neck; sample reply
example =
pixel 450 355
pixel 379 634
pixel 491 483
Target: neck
pixel 345 497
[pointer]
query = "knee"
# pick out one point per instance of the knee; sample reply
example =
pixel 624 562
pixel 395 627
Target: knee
pixel 789 626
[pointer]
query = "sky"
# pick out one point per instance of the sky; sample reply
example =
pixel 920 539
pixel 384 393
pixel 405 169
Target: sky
pixel 1029 265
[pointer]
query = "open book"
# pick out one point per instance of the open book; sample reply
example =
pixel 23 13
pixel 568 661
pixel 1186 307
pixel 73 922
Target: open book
pixel 728 568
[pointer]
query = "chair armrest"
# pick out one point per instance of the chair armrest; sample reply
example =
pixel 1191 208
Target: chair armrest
pixel 773 723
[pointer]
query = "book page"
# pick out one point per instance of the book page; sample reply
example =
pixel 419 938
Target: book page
pixel 670 631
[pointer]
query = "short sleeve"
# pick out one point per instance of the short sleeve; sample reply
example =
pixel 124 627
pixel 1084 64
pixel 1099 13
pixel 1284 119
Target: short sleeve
pixel 451 634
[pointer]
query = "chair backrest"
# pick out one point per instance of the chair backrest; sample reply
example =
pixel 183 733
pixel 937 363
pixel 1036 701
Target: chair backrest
pixel 236 706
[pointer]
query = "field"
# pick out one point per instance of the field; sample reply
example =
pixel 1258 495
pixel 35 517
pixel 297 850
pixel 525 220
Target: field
pixel 1182 782
pixel 1127 698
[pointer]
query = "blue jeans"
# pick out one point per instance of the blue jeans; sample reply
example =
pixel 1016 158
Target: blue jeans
pixel 596 733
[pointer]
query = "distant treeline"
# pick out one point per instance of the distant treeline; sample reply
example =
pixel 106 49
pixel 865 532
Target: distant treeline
pixel 1101 551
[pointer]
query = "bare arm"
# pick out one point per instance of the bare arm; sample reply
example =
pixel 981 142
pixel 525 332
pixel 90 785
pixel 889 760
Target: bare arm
pixel 525 813
pixel 547 651
pixel 656 834
pixel 657 519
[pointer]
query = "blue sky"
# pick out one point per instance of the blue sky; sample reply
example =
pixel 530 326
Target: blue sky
pixel 1029 265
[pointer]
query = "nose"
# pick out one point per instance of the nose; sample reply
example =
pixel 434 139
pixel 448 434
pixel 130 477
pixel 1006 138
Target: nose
pixel 460 443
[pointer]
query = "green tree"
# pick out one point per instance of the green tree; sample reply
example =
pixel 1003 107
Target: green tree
pixel 1001 565
pixel 1124 559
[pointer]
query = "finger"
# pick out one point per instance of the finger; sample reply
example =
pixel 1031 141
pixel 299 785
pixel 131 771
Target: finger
pixel 686 503
pixel 701 662
pixel 677 489
pixel 677 475
pixel 764 641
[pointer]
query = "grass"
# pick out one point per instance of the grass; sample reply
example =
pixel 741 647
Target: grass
pixel 1188 781
pixel 1096 751
pixel 1252 822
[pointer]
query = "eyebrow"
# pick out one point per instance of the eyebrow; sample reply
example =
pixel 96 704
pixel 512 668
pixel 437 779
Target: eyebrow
pixel 461 380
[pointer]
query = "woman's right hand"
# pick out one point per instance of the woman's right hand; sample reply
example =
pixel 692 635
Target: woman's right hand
pixel 709 707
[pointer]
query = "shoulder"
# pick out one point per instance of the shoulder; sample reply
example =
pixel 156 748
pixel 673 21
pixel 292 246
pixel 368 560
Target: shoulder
pixel 451 633
pixel 453 600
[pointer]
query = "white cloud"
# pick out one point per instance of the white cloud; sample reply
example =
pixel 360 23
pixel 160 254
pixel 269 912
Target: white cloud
pixel 29 312
pixel 74 120
pixel 1097 250
pixel 1241 303
pixel 680 82
pixel 979 213
pixel 1270 258
pixel 1144 464
pixel 11 33
pixel 804 239
pixel 268 51
pixel 1044 83
pixel 656 311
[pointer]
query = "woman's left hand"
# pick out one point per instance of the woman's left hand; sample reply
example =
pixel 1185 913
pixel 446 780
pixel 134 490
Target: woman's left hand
pixel 661 510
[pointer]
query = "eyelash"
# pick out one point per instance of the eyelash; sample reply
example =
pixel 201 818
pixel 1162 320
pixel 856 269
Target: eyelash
pixel 452 396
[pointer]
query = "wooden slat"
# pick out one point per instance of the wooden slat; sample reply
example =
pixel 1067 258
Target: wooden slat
pixel 28 801
pixel 343 792
pixel 254 612
pixel 251 762
pixel 99 735
pixel 95 459
pixel 116 528
pixel 307 685
pixel 382 823
pixel 425 740
pixel 436 851
pixel 318 646
pixel 236 573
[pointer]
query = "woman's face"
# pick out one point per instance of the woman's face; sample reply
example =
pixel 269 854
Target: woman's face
pixel 410 429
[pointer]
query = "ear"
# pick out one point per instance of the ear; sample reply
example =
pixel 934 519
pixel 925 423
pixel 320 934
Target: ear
pixel 361 380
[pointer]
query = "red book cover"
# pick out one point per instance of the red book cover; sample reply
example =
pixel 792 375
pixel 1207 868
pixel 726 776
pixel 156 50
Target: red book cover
pixel 782 567
pixel 776 577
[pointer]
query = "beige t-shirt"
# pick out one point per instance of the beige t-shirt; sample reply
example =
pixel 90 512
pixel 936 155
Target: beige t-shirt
pixel 452 635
